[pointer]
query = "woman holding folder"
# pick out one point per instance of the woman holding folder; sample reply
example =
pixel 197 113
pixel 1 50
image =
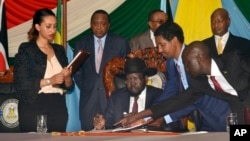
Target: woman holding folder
pixel 41 76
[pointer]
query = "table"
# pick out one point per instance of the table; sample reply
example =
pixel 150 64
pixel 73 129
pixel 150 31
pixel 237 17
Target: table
pixel 212 136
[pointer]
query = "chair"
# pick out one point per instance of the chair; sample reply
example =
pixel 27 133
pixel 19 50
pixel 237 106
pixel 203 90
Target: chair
pixel 116 65
pixel 8 76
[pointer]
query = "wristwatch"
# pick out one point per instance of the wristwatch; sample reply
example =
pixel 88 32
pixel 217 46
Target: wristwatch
pixel 47 81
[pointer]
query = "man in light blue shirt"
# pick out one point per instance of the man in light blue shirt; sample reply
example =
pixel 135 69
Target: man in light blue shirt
pixel 170 41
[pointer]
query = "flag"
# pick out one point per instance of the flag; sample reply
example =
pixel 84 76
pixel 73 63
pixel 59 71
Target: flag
pixel 3 38
pixel 166 7
pixel 169 11
pixel 72 101
pixel 59 37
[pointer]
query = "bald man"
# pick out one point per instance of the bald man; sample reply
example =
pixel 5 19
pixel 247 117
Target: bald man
pixel 220 22
pixel 231 72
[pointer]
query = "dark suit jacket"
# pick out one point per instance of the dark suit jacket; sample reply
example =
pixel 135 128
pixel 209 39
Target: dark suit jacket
pixel 119 103
pixel 92 92
pixel 236 69
pixel 141 41
pixel 212 110
pixel 233 42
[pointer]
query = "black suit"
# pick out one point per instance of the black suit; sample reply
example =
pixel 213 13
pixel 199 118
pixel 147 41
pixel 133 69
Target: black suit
pixel 119 102
pixel 237 73
pixel 92 92
pixel 233 42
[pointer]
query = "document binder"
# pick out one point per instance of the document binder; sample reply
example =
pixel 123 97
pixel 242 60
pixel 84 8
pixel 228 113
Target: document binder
pixel 78 60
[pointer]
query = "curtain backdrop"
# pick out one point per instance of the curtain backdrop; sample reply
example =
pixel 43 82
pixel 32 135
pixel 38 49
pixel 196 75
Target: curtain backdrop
pixel 128 17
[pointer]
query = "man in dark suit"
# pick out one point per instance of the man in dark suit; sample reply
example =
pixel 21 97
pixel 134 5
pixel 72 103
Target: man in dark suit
pixel 121 101
pixel 103 46
pixel 231 71
pixel 147 39
pixel 220 23
pixel 170 40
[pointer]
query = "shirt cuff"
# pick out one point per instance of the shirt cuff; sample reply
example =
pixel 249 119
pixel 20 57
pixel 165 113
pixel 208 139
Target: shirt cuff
pixel 147 118
pixel 168 119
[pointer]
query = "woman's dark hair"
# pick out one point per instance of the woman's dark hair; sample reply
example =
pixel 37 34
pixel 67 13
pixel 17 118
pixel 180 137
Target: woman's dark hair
pixel 37 19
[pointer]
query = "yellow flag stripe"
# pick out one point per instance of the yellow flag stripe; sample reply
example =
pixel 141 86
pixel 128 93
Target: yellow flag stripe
pixel 194 17
pixel 58 37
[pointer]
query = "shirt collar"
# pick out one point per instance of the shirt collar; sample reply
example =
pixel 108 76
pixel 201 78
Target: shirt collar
pixel 224 37
pixel 215 71
pixel 103 39
pixel 152 37
pixel 179 60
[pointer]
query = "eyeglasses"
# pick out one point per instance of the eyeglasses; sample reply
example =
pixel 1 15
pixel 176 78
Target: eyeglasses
pixel 159 21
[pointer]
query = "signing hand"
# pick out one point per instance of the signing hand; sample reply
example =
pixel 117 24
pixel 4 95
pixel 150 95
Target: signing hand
pixel 131 119
pixel 99 121
pixel 128 120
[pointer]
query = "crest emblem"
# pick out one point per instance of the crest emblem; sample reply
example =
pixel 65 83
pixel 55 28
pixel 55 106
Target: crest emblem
pixel 9 113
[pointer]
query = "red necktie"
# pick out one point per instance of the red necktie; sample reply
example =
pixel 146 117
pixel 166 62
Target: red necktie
pixel 135 105
pixel 217 85
pixel 99 55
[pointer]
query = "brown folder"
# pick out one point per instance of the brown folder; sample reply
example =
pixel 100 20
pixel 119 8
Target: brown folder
pixel 77 61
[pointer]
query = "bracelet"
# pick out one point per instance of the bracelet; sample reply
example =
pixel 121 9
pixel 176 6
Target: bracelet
pixel 47 81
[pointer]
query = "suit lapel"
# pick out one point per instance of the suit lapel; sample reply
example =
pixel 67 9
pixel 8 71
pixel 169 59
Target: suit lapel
pixel 213 47
pixel 147 39
pixel 223 70
pixel 91 48
pixel 148 97
pixel 107 47
pixel 127 101
pixel 230 42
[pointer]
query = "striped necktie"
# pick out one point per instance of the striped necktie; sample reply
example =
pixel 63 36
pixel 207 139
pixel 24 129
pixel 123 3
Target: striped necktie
pixel 99 55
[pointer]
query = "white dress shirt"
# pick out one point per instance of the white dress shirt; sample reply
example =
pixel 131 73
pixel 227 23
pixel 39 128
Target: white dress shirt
pixel 226 87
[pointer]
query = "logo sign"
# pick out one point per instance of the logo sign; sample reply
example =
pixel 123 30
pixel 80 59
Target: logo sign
pixel 9 113
pixel 239 132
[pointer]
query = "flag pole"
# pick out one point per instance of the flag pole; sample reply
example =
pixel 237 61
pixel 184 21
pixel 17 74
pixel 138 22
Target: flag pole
pixel 65 24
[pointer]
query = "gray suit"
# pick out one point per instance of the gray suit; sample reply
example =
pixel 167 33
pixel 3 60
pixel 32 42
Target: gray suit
pixel 92 93
pixel 141 41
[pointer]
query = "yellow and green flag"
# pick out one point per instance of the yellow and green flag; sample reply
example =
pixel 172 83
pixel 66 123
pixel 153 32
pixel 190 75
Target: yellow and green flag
pixel 59 29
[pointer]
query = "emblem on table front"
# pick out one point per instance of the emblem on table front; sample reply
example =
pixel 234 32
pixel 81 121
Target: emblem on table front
pixel 9 113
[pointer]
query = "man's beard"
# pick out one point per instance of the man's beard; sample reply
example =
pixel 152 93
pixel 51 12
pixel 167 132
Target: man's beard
pixel 131 93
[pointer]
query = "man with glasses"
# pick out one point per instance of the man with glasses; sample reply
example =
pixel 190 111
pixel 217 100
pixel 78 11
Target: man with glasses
pixel 147 39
